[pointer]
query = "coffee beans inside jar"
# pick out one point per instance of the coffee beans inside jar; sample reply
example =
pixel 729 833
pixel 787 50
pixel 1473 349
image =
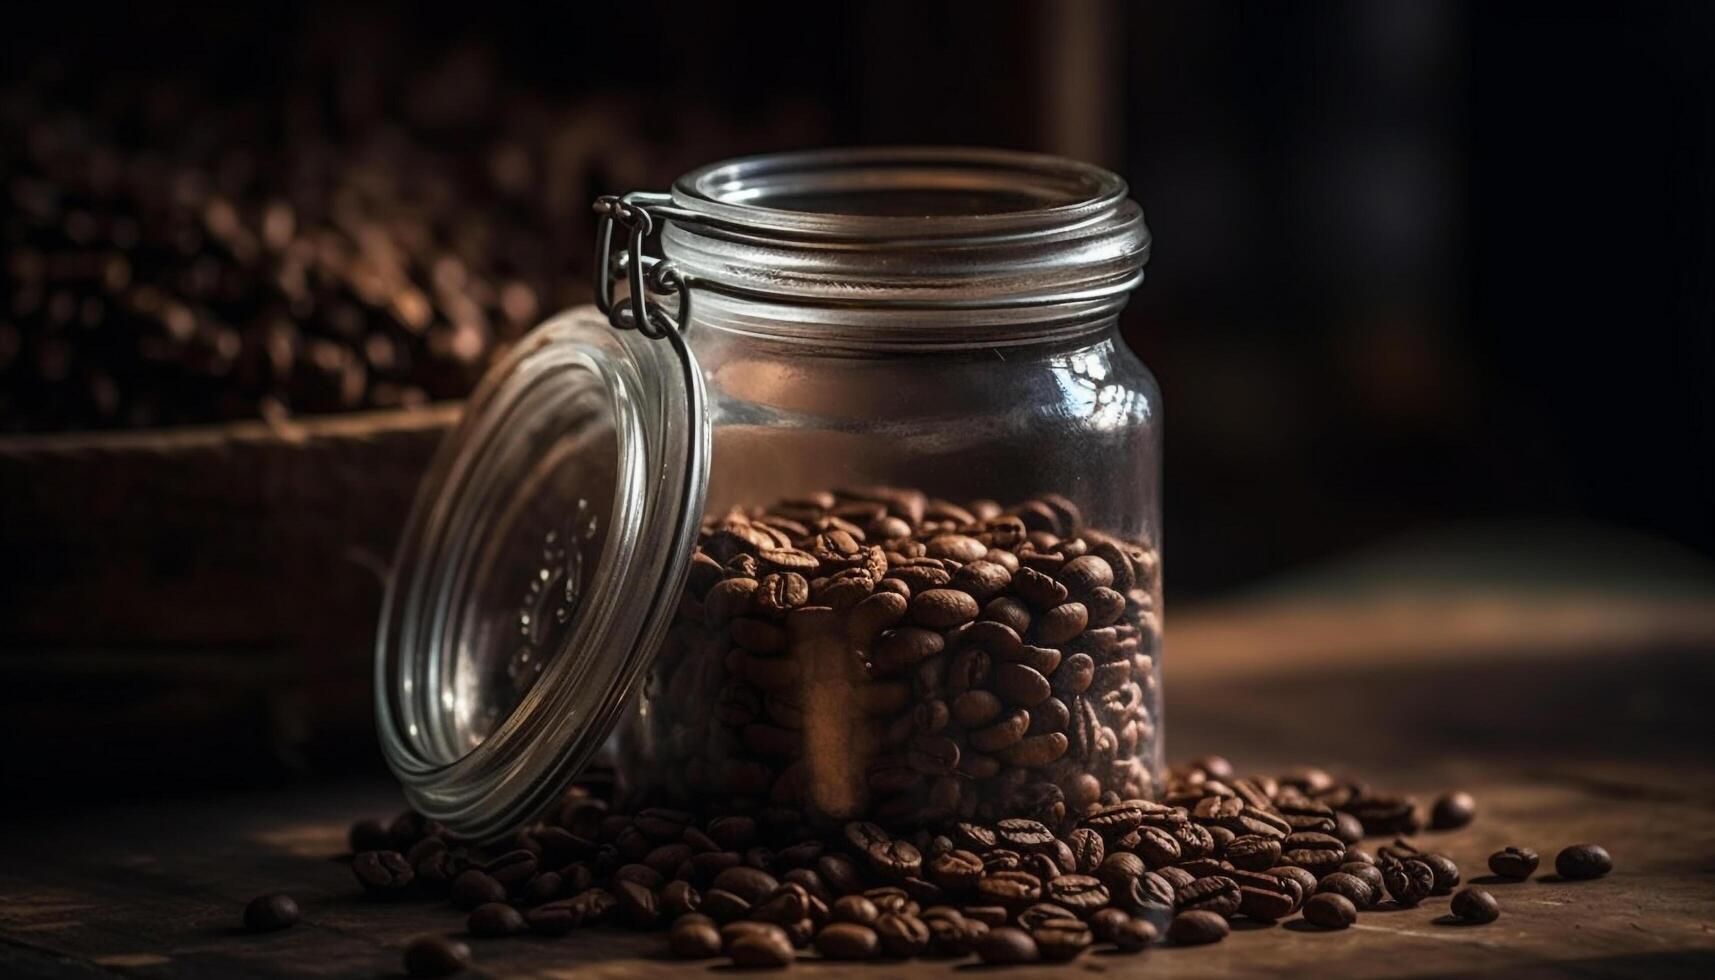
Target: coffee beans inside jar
pixel 876 654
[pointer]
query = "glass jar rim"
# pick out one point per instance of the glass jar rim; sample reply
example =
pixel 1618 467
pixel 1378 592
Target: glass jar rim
pixel 915 228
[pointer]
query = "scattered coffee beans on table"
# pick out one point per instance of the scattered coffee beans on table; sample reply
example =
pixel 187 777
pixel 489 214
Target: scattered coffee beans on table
pixel 765 886
pixel 1583 861
pixel 1514 862
pixel 1476 906
pixel 270 913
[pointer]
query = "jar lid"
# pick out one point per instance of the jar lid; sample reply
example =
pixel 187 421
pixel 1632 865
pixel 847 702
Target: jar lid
pixel 539 568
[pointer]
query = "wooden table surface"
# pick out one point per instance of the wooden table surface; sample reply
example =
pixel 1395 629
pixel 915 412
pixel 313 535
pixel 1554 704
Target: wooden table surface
pixel 1567 726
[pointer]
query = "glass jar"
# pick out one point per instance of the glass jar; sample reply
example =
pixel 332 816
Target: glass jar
pixel 855 513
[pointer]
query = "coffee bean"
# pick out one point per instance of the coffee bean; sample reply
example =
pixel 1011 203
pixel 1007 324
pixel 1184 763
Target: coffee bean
pixel 1355 889
pixel 474 888
pixel 1370 875
pixel 1330 911
pixel 271 913
pixel 1216 893
pixel 855 909
pixel 1446 872
pixel 383 873
pixel 560 917
pixel 1006 946
pixel 1514 862
pixel 895 859
pixel 694 937
pixel 679 898
pixel 762 950
pixel 847 941
pixel 942 608
pixel 953 935
pixel 749 884
pixel 1316 853
pixel 902 935
pixel 1079 894
pixel 1253 852
pixel 1059 940
pixel 637 904
pixel 1475 905
pixel 956 870
pixel 1306 881
pixel 1011 889
pixel 1408 882
pixel 1087 850
pixel 1197 928
pixel 1452 810
pixel 1023 835
pixel 435 956
pixel 1348 828
pixel 1265 897
pixel 1583 861
pixel 495 919
pixel 1020 685
pixel 369 835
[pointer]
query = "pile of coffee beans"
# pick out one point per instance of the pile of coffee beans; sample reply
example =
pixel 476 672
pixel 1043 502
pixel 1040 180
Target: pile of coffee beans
pixel 877 654
pixel 168 255
pixel 765 887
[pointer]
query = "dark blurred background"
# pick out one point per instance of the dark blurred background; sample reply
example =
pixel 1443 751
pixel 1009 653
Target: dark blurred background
pixel 1419 265
pixel 1415 260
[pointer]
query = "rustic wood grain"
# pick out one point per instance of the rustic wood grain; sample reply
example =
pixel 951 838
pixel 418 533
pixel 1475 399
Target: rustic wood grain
pixel 1594 743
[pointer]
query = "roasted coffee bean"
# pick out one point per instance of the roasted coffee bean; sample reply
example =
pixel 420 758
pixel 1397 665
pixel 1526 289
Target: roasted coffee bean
pixel 383 873
pixel 842 874
pixel 473 888
pixel 1514 862
pixel 560 917
pixel 1356 890
pixel 848 941
pixel 1408 882
pixel 1087 850
pixel 942 608
pixel 1131 935
pixel 1020 685
pixel 891 899
pixel 369 835
pixel 1452 810
pixel 545 887
pixel 895 859
pixel 435 956
pixel 1446 873
pixel 514 869
pixel 694 937
pixel 762 950
pixel 1079 894
pixel 1265 897
pixel 902 935
pixel 642 874
pixel 1197 928
pixel 956 870
pixel 1306 881
pixel 723 906
pixel 1011 889
pixel 679 898
pixel 1023 835
pixel 1217 893
pixel 495 919
pixel 1476 906
pixel 271 913
pixel 1348 828
pixel 953 935
pixel 1040 866
pixel 637 904
pixel 1370 875
pixel 1316 853
pixel 750 884
pixel 1253 852
pixel 1330 911
pixel 855 909
pixel 1059 940
pixel 1583 861
pixel 1006 946
pixel 989 915
pixel 1387 814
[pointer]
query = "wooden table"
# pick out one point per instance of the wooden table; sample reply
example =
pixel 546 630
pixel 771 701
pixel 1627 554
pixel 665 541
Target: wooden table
pixel 1572 719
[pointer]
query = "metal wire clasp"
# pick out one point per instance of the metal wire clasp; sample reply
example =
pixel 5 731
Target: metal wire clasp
pixel 650 278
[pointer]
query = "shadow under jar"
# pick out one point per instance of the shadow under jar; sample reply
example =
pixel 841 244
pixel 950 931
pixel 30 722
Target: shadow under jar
pixel 850 505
